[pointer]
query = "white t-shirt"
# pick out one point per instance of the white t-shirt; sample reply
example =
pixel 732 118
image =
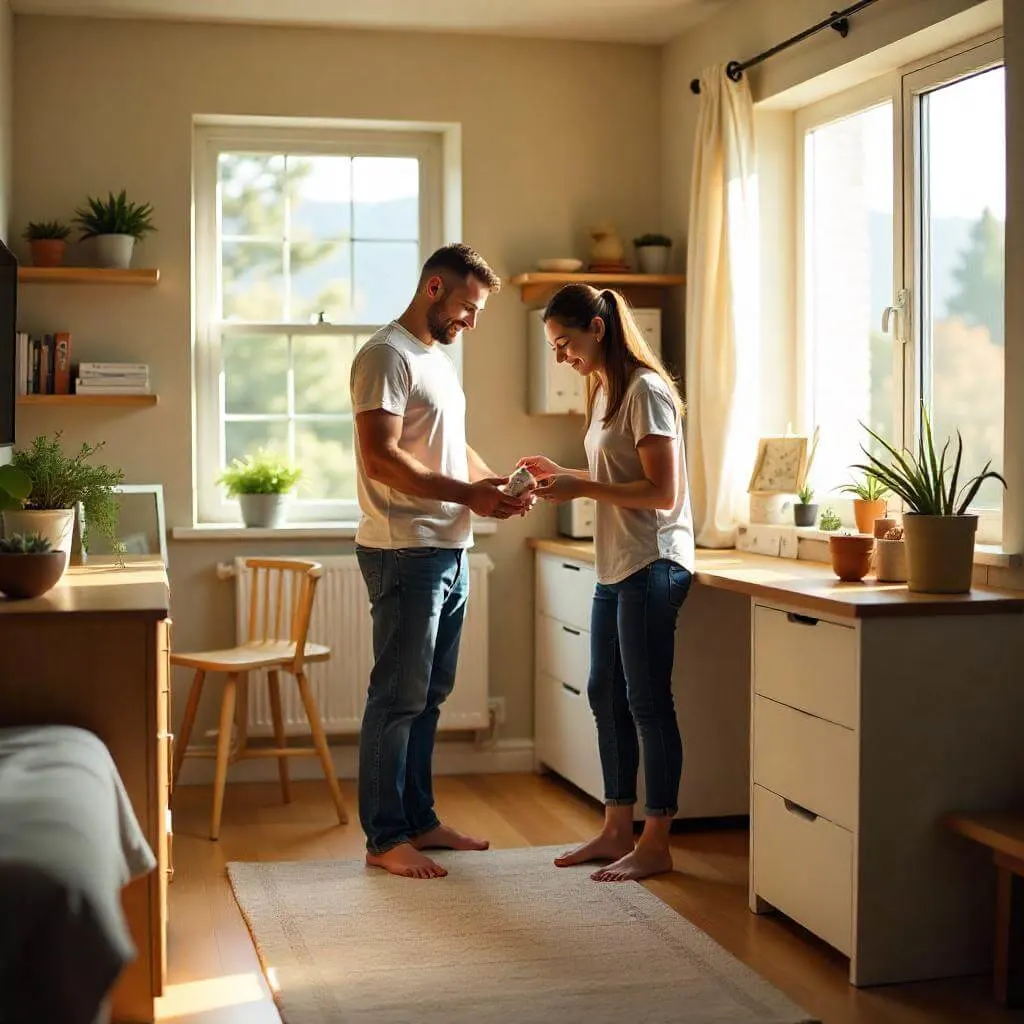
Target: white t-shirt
pixel 396 372
pixel 628 539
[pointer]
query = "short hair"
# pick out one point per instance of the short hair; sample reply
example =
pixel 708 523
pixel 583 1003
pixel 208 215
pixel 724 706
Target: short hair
pixel 462 261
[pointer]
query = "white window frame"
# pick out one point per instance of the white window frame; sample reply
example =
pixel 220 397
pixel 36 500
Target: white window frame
pixel 902 89
pixel 210 140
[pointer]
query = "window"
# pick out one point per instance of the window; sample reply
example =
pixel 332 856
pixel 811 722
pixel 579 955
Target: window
pixel 902 191
pixel 306 242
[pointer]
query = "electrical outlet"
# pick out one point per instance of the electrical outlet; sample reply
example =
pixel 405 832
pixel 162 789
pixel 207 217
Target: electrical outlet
pixel 497 705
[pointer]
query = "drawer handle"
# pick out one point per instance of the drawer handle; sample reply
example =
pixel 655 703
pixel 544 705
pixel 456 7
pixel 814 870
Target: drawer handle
pixel 800 812
pixel 801 620
pixel 571 689
pixel 571 568
pixel 574 632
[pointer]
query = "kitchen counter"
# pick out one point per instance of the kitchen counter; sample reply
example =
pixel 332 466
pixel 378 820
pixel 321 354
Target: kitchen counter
pixel 812 585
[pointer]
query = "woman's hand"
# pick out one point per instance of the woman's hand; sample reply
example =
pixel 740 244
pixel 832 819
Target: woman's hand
pixel 560 488
pixel 540 467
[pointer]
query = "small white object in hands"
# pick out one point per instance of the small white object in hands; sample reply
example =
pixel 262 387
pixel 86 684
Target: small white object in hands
pixel 521 480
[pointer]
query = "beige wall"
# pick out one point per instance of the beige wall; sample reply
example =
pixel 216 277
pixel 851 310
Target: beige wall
pixel 555 136
pixel 6 113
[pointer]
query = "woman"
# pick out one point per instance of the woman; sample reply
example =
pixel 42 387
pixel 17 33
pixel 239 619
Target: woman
pixel 645 557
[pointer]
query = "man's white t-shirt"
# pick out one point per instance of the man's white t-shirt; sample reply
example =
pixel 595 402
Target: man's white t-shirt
pixel 628 539
pixel 396 372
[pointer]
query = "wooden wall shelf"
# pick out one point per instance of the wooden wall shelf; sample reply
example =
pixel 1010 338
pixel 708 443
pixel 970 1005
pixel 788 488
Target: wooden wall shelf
pixel 536 284
pixel 86 275
pixel 82 400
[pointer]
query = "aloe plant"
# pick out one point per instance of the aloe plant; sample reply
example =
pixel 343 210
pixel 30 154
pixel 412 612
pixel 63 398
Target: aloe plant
pixel 116 216
pixel 925 482
pixel 868 489
pixel 805 494
pixel 25 544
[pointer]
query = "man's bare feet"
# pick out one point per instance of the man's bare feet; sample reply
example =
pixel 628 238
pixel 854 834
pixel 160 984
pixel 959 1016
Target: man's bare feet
pixel 642 862
pixel 405 860
pixel 446 838
pixel 604 846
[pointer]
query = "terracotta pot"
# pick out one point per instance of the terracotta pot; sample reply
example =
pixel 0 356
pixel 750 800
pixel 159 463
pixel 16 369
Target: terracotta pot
pixel 890 561
pixel 882 526
pixel 851 556
pixel 47 252
pixel 940 553
pixel 30 575
pixel 866 512
pixel 805 514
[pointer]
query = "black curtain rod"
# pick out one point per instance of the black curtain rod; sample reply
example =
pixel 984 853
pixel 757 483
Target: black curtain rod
pixel 838 20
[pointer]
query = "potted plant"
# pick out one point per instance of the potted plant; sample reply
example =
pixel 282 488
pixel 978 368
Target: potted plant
pixel 829 521
pixel 47 240
pixel 59 484
pixel 891 557
pixel 29 566
pixel 851 555
pixel 261 482
pixel 869 501
pixel 116 225
pixel 652 252
pixel 937 526
pixel 804 512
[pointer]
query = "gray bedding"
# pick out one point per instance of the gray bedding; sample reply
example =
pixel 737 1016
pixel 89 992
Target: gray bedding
pixel 69 841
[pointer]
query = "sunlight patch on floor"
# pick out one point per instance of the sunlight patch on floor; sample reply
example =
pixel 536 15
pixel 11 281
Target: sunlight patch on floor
pixel 191 997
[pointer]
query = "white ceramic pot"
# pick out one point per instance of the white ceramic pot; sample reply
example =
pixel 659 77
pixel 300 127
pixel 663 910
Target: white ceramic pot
pixel 53 524
pixel 653 259
pixel 115 251
pixel 262 510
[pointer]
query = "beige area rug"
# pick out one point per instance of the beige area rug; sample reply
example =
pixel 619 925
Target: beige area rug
pixel 506 937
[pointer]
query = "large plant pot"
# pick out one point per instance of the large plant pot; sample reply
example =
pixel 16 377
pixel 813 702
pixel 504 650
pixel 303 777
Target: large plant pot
pixel 115 251
pixel 30 575
pixel 851 556
pixel 262 510
pixel 866 512
pixel 890 561
pixel 805 514
pixel 940 553
pixel 55 525
pixel 653 259
pixel 47 252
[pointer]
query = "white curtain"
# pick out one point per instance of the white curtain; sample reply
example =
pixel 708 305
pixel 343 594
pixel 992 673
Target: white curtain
pixel 722 310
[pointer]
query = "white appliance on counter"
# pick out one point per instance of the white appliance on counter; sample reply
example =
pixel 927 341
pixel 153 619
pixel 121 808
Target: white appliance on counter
pixel 576 518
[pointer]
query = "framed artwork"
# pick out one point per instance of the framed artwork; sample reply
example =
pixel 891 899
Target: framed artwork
pixel 780 466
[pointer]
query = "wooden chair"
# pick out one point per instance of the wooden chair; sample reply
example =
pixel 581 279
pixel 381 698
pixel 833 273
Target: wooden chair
pixel 279 616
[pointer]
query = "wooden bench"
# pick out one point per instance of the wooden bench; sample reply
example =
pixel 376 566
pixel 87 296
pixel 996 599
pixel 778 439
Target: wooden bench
pixel 1003 833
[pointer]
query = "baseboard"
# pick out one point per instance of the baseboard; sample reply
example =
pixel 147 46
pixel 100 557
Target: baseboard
pixel 450 758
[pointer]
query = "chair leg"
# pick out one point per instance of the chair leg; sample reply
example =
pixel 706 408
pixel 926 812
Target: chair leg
pixel 191 707
pixel 277 715
pixel 323 751
pixel 227 717
pixel 241 716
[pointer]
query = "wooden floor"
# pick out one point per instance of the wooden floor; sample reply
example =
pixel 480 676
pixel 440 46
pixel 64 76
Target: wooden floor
pixel 215 977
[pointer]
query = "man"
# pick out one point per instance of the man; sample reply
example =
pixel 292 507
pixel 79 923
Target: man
pixel 419 482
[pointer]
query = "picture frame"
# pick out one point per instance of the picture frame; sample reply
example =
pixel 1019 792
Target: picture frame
pixel 780 466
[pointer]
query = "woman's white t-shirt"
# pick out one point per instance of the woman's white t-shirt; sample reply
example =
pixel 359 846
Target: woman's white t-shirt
pixel 628 539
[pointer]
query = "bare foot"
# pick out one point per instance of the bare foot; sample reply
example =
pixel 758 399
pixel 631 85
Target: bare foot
pixel 642 862
pixel 604 846
pixel 407 861
pixel 446 838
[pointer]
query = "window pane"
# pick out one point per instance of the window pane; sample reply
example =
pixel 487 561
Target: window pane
pixel 324 450
pixel 321 373
pixel 964 220
pixel 848 281
pixel 255 374
pixel 385 279
pixel 386 192
pixel 321 197
pixel 321 282
pixel 252 281
pixel 244 437
pixel 252 194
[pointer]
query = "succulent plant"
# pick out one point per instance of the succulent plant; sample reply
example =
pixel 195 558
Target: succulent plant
pixel 25 544
pixel 894 533
pixel 47 229
pixel 830 522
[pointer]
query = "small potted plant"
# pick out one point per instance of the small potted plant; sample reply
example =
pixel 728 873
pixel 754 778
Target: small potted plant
pixel 47 240
pixel 891 557
pixel 851 555
pixel 59 484
pixel 869 501
pixel 830 522
pixel 116 224
pixel 652 252
pixel 804 512
pixel 261 482
pixel 29 566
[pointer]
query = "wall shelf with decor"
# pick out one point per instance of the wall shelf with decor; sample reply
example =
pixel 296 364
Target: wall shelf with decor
pixel 87 275
pixel 639 289
pixel 120 401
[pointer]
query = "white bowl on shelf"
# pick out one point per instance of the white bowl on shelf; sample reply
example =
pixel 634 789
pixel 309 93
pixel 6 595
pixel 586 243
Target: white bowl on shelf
pixel 559 266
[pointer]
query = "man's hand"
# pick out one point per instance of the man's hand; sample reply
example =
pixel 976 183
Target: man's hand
pixel 485 499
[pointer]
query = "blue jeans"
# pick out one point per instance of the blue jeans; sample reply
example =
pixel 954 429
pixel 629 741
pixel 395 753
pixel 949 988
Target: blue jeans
pixel 418 603
pixel 632 644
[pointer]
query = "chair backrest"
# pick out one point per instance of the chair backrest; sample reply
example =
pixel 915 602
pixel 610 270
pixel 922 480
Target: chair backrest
pixel 281 596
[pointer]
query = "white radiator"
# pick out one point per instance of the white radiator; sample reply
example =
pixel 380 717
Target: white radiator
pixel 341 619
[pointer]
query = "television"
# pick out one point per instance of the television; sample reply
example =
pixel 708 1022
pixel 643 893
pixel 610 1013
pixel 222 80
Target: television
pixel 8 350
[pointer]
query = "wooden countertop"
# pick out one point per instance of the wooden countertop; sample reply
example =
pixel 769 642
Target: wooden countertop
pixel 139 587
pixel 813 585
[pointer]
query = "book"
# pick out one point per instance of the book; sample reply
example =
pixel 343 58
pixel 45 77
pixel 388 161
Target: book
pixel 62 363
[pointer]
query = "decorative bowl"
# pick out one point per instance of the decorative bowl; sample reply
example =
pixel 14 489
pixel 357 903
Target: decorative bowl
pixel 559 266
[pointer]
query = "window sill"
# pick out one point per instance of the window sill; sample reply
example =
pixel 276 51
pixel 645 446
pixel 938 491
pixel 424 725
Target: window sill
pixel 292 531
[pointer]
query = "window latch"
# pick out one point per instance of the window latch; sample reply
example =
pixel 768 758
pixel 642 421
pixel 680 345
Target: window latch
pixel 895 310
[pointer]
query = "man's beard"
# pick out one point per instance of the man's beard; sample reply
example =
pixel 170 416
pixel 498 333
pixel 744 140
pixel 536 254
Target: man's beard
pixel 438 323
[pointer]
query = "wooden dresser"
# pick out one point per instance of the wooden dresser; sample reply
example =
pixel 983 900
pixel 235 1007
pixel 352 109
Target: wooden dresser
pixel 94 653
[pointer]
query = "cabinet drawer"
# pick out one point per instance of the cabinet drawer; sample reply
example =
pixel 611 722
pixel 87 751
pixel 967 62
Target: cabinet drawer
pixel 806 759
pixel 566 734
pixel 807 663
pixel 563 652
pixel 565 590
pixel 803 865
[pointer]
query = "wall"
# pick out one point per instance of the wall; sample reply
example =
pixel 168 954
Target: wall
pixel 6 113
pixel 555 136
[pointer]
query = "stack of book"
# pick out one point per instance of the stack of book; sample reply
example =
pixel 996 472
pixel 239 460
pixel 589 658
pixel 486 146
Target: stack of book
pixel 112 379
pixel 43 363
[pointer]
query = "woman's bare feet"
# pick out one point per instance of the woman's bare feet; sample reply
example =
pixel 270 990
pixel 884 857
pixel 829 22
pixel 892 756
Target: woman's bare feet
pixel 642 862
pixel 405 860
pixel 446 838
pixel 604 846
